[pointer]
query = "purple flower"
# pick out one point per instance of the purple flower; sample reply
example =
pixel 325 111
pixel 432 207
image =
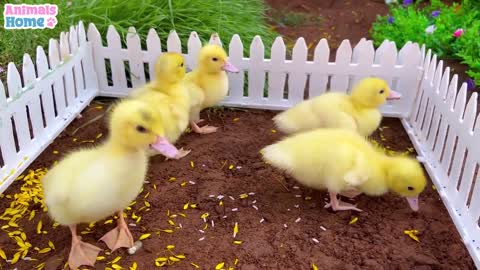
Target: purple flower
pixel 470 84
pixel 407 3
pixel 435 13
pixel 390 19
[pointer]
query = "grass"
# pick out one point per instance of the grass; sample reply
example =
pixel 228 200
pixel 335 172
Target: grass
pixel 226 17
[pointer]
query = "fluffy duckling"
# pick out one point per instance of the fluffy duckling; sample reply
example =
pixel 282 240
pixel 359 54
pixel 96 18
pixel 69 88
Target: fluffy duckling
pixel 169 96
pixel 341 160
pixel 91 184
pixel 208 83
pixel 357 111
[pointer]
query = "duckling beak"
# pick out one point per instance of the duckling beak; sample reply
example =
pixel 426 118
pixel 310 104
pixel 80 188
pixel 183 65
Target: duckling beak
pixel 230 67
pixel 394 95
pixel 413 202
pixel 165 148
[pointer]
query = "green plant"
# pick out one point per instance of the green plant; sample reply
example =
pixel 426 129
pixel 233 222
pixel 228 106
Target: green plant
pixel 434 26
pixel 226 17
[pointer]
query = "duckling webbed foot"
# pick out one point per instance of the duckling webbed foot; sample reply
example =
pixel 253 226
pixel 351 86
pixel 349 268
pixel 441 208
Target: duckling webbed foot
pixel 337 205
pixel 202 130
pixel 351 194
pixel 181 154
pixel 118 237
pixel 81 253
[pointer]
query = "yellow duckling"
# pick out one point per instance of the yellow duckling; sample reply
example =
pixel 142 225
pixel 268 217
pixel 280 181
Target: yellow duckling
pixel 341 160
pixel 208 83
pixel 169 96
pixel 91 184
pixel 357 111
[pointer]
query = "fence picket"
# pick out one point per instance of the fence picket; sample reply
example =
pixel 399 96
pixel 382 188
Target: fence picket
pixel 447 105
pixel 339 83
pixel 408 78
pixel 215 39
pixel 319 78
pixel 193 46
pixel 430 104
pixel 77 68
pixel 135 58
pixel 7 141
pixel 58 86
pixel 277 74
pixel 47 92
pixel 439 97
pixel 297 78
pixel 20 111
pixel 35 110
pixel 119 77
pixel 65 56
pixel 154 48
pixel 363 55
pixel 173 42
pixel 387 60
pixel 236 84
pixel 98 58
pixel 256 72
pixel 82 37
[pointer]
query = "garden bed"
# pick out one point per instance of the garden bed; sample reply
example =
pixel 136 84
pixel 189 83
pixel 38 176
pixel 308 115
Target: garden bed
pixel 295 231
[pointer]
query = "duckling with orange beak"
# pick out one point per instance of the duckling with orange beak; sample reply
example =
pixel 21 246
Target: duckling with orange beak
pixel 208 84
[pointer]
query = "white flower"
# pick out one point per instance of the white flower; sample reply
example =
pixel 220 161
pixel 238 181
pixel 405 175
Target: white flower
pixel 430 29
pixel 388 2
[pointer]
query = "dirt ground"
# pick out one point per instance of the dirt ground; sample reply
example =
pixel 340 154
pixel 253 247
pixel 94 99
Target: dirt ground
pixel 282 225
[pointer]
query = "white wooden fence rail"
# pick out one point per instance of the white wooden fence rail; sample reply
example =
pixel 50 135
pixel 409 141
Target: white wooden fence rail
pixel 435 113
pixel 52 94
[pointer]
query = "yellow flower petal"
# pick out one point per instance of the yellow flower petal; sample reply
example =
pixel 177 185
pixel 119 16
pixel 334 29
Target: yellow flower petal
pixel 145 236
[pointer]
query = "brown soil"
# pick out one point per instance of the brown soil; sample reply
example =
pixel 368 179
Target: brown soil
pixel 228 163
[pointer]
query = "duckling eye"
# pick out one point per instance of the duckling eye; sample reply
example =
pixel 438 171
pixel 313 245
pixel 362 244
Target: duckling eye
pixel 215 59
pixel 382 91
pixel 181 65
pixel 410 188
pixel 141 129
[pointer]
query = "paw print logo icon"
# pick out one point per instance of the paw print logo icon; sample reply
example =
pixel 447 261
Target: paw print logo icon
pixel 51 22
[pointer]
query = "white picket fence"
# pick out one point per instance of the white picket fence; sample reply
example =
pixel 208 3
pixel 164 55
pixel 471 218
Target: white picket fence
pixel 79 70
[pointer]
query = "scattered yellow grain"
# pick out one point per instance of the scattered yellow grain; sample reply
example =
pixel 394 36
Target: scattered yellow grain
pixel 193 205
pixel 230 167
pixel 219 266
pixel 116 267
pixel 2 254
pixel 39 227
pixel 308 198
pixel 183 184
pixel 161 259
pixel 354 220
pixel 195 265
pixel 117 259
pixel 204 215
pixel 55 152
pixel 45 250
pixel 32 215
pixel 235 229
pixel 185 206
pixel 134 266
pixel 412 234
pixel 170 247
pixel 168 231
pixel 108 221
pixel 40 266
pixel 100 258
pixel 434 187
pixel 145 236
pixel 173 259
pixel 220 203
pixel 274 131
pixel 155 186
pixel 16 257
pixel 171 179
pixel 181 256
pixel 237 242
pixel 146 195
pixel 171 222
pixel 192 164
pixel 236 261
pixel 99 135
pixel 314 267
pixel 147 204
pixel 243 196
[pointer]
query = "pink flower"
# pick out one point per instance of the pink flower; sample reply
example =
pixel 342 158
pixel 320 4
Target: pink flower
pixel 458 33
